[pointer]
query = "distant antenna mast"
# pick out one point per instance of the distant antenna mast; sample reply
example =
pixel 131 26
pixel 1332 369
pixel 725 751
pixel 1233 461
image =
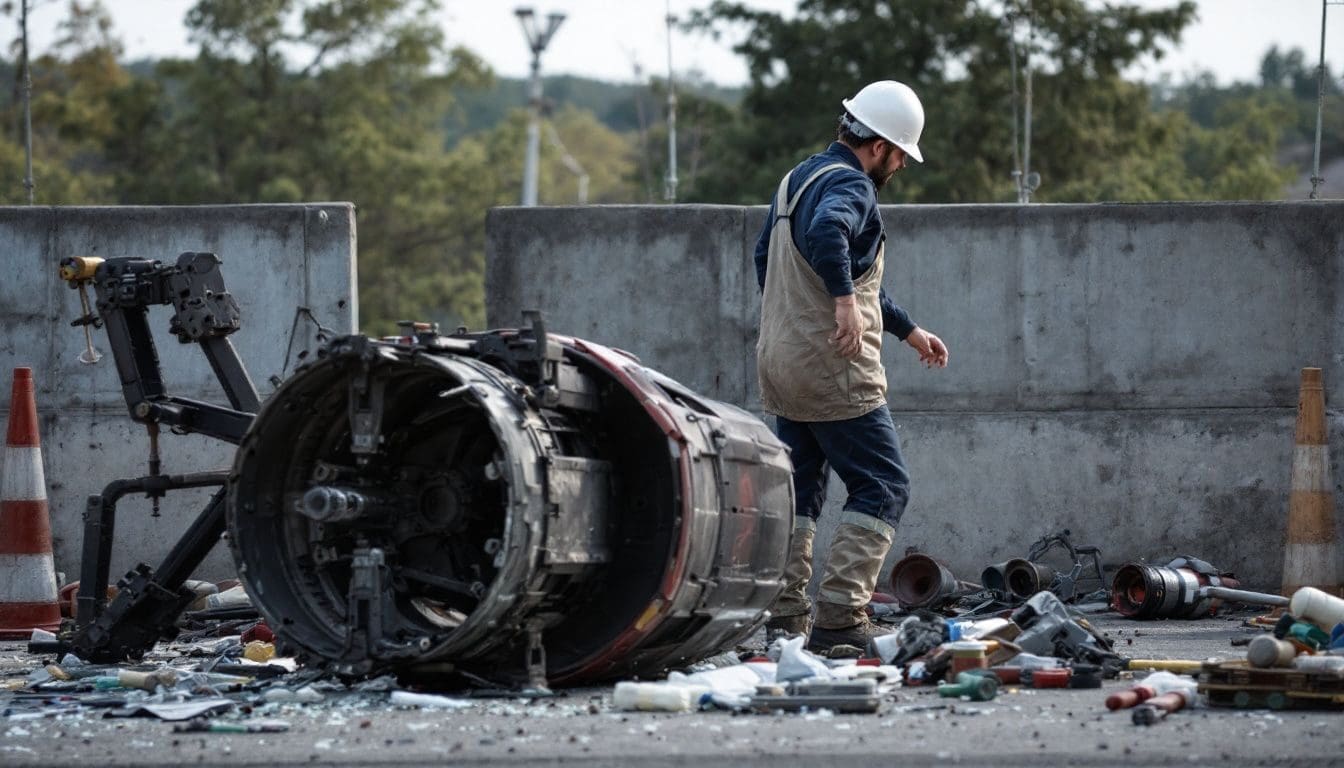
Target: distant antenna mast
pixel 537 39
pixel 1023 178
pixel 27 105
pixel 1316 179
pixel 671 179
pixel 569 161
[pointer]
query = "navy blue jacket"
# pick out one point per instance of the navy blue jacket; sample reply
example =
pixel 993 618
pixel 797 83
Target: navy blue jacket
pixel 837 228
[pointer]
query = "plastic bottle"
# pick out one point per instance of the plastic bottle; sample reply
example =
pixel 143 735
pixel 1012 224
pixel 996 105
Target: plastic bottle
pixel 653 697
pixel 976 629
pixel 1032 661
pixel 1319 663
pixel 425 701
pixel 735 680
pixel 1320 608
pixel 973 686
pixel 955 629
pixel 309 695
pixel 235 597
pixel 145 681
pixel 1308 635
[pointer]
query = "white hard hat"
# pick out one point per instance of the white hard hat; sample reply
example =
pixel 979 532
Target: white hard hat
pixel 892 111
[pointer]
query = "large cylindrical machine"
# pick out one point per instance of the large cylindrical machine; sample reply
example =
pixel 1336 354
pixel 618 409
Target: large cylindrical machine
pixel 505 501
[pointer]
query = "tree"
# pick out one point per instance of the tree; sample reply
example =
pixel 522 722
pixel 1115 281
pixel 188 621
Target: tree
pixel 1089 123
pixel 75 86
pixel 326 99
pixel 1278 115
pixel 702 112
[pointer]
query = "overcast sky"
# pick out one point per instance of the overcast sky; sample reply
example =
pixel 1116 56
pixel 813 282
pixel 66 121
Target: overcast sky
pixel 606 38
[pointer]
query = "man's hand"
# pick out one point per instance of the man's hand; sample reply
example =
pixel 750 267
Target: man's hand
pixel 932 351
pixel 848 336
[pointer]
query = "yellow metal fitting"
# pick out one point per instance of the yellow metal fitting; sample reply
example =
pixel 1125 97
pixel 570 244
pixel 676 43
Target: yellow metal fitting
pixel 79 268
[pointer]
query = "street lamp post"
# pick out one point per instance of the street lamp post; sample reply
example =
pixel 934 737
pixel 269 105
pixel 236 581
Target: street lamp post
pixel 538 36
pixel 28 184
pixel 671 178
pixel 1316 179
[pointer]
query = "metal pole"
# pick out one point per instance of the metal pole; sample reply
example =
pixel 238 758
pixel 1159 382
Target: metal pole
pixel 533 133
pixel 1017 146
pixel 538 36
pixel 27 106
pixel 1320 104
pixel 570 162
pixel 1026 130
pixel 671 114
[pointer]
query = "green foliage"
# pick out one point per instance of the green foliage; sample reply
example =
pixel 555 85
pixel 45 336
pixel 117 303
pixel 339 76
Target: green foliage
pixel 362 100
pixel 1094 135
pixel 75 89
pixel 1287 91
pixel 293 100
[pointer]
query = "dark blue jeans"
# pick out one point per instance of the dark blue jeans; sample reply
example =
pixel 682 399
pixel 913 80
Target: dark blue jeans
pixel 865 452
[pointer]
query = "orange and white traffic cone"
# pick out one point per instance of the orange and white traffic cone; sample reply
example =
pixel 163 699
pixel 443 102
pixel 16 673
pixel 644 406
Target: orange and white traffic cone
pixel 1311 550
pixel 27 573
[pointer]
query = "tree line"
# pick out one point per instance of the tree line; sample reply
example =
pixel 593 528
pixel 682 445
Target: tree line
pixel 366 101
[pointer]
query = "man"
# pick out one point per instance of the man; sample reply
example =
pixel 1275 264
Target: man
pixel 819 263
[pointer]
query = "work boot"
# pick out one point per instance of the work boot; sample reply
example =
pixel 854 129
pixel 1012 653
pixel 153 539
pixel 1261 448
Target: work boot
pixel 855 559
pixel 791 613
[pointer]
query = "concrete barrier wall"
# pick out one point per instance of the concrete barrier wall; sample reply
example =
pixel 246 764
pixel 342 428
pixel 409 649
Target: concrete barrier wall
pixel 1128 372
pixel 276 258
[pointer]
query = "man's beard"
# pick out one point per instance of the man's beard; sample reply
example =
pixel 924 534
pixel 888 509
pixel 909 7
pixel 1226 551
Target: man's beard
pixel 879 175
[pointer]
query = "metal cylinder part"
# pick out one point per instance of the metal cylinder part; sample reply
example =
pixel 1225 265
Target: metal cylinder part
pixel 1025 578
pixel 919 581
pixel 504 502
pixel 79 267
pixel 995 578
pixel 1267 651
pixel 1141 591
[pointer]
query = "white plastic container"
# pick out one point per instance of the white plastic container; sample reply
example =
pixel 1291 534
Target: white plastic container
pixel 1032 661
pixel 655 697
pixel 1320 608
pixel 234 597
pixel 973 629
pixel 737 679
pixel 1319 663
pixel 409 699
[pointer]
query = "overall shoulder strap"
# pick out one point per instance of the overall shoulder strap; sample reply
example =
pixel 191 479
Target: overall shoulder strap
pixel 788 210
pixel 782 196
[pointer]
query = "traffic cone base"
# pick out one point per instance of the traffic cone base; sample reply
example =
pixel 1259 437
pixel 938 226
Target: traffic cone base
pixel 28 583
pixel 1311 554
pixel 28 598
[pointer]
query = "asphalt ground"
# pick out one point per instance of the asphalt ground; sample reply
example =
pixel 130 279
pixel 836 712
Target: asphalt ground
pixel 578 727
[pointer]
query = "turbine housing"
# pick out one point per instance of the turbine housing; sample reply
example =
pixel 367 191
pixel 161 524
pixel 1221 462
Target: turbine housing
pixel 505 502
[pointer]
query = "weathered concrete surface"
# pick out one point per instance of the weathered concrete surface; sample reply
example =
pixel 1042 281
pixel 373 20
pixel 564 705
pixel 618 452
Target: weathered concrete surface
pixel 1127 371
pixel 1021 727
pixel 276 258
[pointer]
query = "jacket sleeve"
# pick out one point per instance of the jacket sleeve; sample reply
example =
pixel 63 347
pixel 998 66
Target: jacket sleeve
pixel 895 320
pixel 838 214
